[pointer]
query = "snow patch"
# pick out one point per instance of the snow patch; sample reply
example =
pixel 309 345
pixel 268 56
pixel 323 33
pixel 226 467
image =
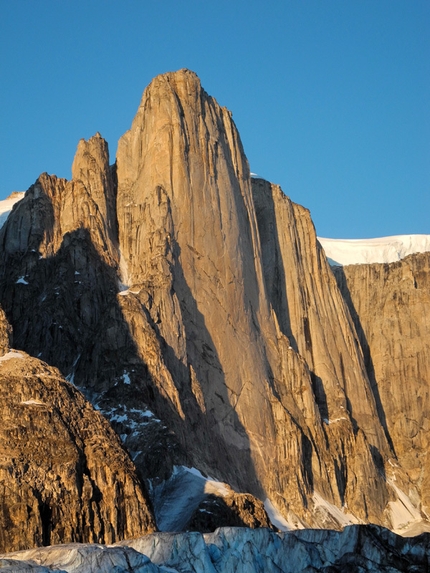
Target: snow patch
pixel 341 252
pixel 33 403
pixel 11 354
pixel 177 498
pixel 71 378
pixel 144 413
pixel 276 517
pixel 334 420
pixel 126 378
pixel 124 290
pixel 343 519
pixel 211 485
pixel 403 513
pixel 119 418
pixel 7 204
pixel 133 418
pixel 21 281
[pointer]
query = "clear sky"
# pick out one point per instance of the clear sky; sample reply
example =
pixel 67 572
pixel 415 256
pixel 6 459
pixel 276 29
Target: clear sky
pixel 331 97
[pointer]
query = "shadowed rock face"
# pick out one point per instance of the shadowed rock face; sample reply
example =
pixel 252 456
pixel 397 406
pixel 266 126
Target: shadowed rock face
pixel 197 311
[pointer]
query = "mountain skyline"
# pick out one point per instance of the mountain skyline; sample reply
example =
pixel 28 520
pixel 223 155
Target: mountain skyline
pixel 176 354
pixel 330 99
pixel 195 309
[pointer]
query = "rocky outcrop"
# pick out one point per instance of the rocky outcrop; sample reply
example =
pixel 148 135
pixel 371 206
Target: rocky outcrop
pixel 5 333
pixel 232 510
pixel 188 238
pixel 189 233
pixel 54 207
pixel 387 303
pixel 311 312
pixel 59 255
pixel 64 475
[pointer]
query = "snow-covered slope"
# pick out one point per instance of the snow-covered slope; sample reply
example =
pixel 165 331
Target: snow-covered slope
pixel 7 204
pixel 177 498
pixel 365 251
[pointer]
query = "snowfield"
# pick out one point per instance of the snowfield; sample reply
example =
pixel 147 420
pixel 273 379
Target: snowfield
pixel 342 252
pixel 7 204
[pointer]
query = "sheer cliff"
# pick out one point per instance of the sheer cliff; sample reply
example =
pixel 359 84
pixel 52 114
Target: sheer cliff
pixel 189 238
pixel 389 303
pixel 196 310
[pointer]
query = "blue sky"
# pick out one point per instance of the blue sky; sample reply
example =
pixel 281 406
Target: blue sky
pixel 331 97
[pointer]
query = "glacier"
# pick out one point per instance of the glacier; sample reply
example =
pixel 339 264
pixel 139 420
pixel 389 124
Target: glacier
pixel 357 548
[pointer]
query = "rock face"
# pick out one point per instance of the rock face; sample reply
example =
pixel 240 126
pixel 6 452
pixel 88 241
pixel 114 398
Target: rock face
pixel 312 315
pixel 388 304
pixel 240 510
pixel 5 333
pixel 64 474
pixel 189 234
pixel 188 238
pixel 196 309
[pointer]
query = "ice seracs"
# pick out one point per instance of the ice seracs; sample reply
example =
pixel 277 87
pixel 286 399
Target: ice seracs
pixel 234 550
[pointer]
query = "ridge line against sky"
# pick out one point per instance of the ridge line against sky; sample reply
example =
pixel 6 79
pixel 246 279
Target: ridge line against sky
pixel 330 97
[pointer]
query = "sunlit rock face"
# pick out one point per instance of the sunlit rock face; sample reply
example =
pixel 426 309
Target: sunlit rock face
pixel 196 310
pixel 388 303
pixel 189 247
pixel 262 380
pixel 64 474
pixel 5 333
pixel 313 316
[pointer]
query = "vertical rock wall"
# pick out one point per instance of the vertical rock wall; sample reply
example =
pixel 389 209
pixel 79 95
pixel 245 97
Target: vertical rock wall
pixel 390 306
pixel 262 349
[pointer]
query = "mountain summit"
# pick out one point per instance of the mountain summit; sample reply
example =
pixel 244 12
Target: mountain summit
pixel 195 309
